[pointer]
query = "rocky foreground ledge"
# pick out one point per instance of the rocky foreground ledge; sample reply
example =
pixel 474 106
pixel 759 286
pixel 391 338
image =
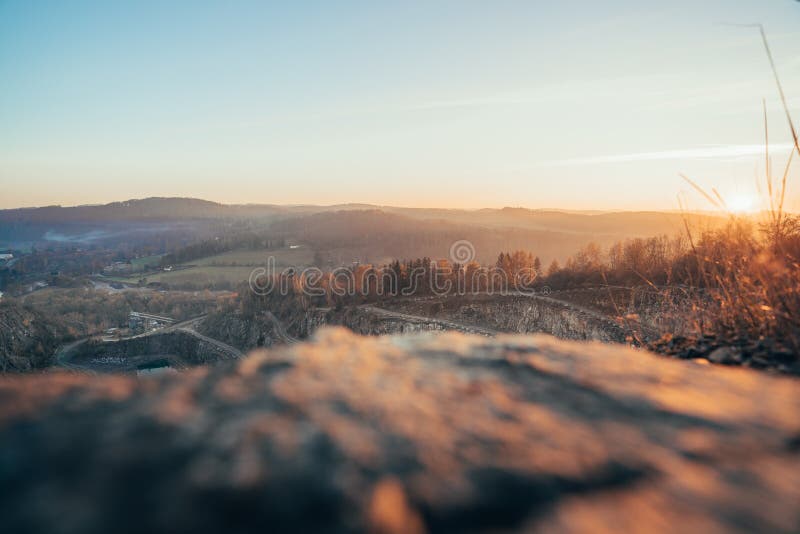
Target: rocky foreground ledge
pixel 437 433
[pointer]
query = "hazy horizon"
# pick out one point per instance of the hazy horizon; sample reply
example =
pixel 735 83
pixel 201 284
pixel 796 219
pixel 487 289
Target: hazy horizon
pixel 710 211
pixel 573 106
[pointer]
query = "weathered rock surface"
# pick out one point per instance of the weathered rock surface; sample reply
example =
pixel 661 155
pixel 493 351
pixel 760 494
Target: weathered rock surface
pixel 471 314
pixel 438 433
pixel 244 333
pixel 518 314
pixel 28 339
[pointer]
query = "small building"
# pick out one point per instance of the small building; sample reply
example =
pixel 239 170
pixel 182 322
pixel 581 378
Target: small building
pixel 144 322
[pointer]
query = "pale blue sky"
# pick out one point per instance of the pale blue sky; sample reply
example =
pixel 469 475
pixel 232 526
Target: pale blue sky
pixel 573 104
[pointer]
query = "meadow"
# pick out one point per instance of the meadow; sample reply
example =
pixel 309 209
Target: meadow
pixel 222 271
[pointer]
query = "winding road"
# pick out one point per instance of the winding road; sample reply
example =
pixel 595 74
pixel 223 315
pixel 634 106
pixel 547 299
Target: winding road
pixel 65 352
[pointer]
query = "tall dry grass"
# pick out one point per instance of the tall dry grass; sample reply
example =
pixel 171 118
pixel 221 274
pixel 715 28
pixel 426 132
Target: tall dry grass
pixel 745 278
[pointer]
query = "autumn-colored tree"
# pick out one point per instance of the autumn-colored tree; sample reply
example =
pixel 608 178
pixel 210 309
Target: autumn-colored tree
pixel 553 268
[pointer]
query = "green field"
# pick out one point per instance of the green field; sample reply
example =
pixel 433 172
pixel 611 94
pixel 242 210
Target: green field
pixel 285 257
pixel 200 276
pixel 225 269
pixel 141 264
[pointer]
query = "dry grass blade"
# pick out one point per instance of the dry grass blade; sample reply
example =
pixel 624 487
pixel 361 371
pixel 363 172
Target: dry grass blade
pixel 783 182
pixel 701 191
pixel 780 88
pixel 633 333
pixel 719 197
pixel 767 161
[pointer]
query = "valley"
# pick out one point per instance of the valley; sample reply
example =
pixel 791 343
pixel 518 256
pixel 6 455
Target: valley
pixel 212 254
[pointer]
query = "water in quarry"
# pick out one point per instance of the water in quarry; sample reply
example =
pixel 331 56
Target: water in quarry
pixel 155 367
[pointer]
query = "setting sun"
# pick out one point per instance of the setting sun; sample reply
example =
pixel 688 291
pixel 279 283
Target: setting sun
pixel 742 203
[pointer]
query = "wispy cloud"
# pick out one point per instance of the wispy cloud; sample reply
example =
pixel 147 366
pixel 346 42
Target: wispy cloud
pixel 569 92
pixel 708 152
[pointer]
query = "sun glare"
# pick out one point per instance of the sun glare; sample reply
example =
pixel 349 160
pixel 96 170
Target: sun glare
pixel 742 204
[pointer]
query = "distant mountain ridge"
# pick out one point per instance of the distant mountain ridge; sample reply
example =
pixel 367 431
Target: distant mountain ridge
pixel 177 208
pixel 137 209
pixel 347 232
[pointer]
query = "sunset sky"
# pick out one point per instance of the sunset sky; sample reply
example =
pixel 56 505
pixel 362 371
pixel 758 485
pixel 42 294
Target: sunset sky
pixel 567 104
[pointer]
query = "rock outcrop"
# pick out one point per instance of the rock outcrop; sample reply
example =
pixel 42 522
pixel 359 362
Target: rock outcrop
pixel 472 314
pixel 28 339
pixel 244 333
pixel 518 314
pixel 373 321
pixel 437 433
